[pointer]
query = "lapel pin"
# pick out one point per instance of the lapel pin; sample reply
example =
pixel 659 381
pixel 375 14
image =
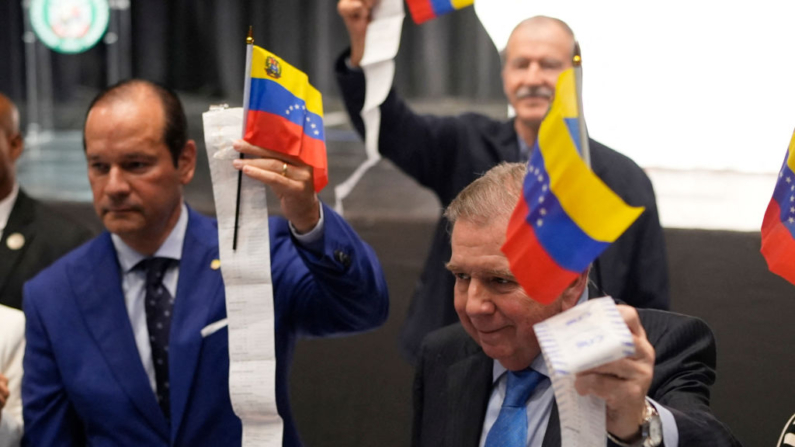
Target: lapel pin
pixel 216 264
pixel 15 241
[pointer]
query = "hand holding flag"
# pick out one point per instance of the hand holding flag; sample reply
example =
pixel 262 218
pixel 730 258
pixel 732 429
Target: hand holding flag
pixel 285 113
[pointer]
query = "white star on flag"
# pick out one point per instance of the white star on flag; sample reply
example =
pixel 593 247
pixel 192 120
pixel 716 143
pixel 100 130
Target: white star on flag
pixel 539 222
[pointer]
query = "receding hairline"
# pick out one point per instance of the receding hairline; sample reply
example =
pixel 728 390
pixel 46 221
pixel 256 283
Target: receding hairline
pixel 130 92
pixel 539 21
pixel 9 115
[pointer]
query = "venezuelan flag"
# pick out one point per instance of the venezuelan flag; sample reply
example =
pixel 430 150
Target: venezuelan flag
pixel 286 113
pixel 424 10
pixel 778 226
pixel 566 216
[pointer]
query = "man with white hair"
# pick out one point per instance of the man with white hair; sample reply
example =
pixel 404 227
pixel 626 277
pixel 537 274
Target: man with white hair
pixel 484 382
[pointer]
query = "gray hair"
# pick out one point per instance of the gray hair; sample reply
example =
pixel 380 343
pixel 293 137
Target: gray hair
pixel 492 196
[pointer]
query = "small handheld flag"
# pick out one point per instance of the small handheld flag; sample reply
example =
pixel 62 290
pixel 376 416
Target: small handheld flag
pixel 566 216
pixel 778 226
pixel 285 113
pixel 424 10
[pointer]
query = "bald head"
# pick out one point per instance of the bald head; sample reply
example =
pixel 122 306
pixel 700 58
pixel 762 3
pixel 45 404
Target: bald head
pixel 9 116
pixel 542 24
pixel 11 145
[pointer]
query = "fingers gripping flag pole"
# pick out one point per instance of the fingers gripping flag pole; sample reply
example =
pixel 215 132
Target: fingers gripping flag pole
pixel 566 215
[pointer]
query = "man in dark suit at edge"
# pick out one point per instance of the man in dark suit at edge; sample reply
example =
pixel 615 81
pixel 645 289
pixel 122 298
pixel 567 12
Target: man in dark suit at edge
pixel 32 236
pixel 466 371
pixel 445 154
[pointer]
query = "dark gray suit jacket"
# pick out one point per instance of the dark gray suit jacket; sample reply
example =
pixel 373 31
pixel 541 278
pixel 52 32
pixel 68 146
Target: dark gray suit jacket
pixel 48 236
pixel 454 377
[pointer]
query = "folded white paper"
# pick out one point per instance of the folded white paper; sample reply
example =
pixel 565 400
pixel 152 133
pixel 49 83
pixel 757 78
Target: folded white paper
pixel 586 336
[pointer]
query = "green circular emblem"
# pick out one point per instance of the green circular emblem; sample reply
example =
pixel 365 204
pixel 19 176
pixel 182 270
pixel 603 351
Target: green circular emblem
pixel 69 26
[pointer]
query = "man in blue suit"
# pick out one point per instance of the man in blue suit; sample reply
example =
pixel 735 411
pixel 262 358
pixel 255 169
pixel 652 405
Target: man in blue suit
pixel 99 367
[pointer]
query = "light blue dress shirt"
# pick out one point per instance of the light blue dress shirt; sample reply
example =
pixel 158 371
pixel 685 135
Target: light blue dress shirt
pixel 539 406
pixel 133 282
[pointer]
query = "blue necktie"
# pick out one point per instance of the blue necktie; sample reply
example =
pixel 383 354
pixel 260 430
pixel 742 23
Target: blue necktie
pixel 159 305
pixel 510 428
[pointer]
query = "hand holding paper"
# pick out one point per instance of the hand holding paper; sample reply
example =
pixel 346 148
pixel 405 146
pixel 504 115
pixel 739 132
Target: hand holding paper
pixel 623 383
pixel 290 179
pixel 357 16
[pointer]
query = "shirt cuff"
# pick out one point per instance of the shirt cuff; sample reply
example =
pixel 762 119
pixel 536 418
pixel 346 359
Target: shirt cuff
pixel 312 239
pixel 670 430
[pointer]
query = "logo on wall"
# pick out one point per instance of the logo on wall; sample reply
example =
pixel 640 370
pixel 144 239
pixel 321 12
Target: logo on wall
pixel 69 26
pixel 273 68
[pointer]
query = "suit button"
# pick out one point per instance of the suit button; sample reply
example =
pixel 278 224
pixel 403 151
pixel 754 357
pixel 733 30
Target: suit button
pixel 343 258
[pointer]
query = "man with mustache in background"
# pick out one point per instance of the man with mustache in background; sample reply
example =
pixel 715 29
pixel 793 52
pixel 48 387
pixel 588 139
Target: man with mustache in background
pixel 447 153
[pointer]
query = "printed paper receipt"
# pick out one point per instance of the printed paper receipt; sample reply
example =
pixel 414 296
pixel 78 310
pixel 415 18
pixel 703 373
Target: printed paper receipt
pixel 584 337
pixel 247 279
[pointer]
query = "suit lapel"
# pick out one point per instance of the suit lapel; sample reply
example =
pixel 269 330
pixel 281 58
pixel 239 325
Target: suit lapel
pixel 197 289
pixel 19 220
pixel 552 438
pixel 466 410
pixel 97 289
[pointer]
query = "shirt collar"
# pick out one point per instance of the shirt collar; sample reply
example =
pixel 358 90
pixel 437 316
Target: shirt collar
pixel 171 248
pixel 538 363
pixel 6 205
pixel 524 150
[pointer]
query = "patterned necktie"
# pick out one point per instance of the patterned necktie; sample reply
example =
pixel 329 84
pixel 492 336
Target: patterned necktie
pixel 159 304
pixel 510 428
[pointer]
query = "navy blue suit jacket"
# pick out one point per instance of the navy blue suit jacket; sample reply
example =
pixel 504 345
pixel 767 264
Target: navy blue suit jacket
pixel 84 382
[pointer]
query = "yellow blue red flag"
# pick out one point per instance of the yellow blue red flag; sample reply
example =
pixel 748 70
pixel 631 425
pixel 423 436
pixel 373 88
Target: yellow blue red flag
pixel 424 10
pixel 566 216
pixel 778 226
pixel 286 113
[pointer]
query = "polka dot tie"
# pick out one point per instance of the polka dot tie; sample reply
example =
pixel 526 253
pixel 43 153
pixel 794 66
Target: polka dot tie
pixel 510 428
pixel 159 304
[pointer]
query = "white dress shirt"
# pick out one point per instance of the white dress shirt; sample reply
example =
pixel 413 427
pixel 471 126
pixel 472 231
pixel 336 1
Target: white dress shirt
pixel 6 205
pixel 133 282
pixel 539 406
pixel 12 348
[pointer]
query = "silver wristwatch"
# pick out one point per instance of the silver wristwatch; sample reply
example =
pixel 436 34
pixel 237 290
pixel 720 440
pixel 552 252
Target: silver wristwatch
pixel 650 430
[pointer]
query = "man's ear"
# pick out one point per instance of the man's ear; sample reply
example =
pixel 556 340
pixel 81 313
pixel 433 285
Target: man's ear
pixel 573 293
pixel 17 145
pixel 186 163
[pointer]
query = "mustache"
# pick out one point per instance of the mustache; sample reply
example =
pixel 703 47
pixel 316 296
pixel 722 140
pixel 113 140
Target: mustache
pixel 120 205
pixel 539 91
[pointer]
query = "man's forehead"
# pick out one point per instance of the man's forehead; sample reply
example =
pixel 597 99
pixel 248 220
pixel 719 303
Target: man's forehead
pixel 543 31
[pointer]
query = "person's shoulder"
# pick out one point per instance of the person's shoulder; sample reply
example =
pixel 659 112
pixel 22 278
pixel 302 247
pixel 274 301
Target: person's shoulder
pixel 662 323
pixel 56 274
pixel 621 174
pixel 448 345
pixel 61 233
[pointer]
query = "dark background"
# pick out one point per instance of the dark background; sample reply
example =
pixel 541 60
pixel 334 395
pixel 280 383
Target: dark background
pixel 356 391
